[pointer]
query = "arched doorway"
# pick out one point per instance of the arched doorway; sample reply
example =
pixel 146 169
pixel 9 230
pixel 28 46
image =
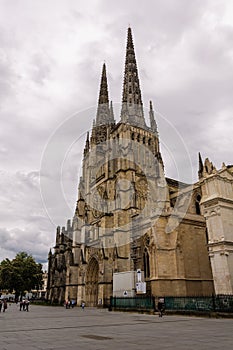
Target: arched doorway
pixel 91 286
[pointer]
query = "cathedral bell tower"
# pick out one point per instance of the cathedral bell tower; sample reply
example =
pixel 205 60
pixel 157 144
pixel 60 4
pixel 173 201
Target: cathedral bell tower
pixel 121 164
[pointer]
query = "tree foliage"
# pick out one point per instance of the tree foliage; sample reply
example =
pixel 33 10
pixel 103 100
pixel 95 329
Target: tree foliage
pixel 22 274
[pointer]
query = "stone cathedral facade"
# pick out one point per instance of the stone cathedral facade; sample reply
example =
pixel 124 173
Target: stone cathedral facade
pixel 130 217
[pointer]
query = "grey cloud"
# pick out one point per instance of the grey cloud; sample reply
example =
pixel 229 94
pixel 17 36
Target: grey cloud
pixel 41 67
pixel 6 78
pixel 21 202
pixel 25 225
pixel 16 240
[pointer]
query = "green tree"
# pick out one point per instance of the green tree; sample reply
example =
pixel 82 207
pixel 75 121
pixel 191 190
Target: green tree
pixel 22 274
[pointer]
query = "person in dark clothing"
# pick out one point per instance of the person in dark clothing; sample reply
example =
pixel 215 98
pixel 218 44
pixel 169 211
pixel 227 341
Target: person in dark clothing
pixel 26 305
pixel 161 307
pixel 4 305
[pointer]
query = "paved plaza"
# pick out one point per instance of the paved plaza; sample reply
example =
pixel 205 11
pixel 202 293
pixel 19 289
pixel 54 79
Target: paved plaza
pixel 46 327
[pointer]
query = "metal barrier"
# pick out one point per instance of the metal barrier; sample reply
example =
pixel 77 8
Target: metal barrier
pixel 189 303
pixel 214 303
pixel 133 303
pixel 223 303
pixel 220 303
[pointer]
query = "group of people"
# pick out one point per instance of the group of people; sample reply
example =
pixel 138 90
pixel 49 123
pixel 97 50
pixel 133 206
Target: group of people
pixel 24 305
pixel 3 305
pixel 71 303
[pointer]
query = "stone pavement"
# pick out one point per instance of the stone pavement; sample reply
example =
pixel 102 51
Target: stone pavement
pixel 46 327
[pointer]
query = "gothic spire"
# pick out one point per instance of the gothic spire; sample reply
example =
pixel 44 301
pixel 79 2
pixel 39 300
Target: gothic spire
pixel 58 235
pixel 153 124
pixel 103 96
pixel 132 107
pixel 103 103
pixel 201 167
pixel 87 145
pixel 111 114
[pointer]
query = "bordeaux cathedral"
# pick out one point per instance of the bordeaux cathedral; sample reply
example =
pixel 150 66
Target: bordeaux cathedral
pixel 129 217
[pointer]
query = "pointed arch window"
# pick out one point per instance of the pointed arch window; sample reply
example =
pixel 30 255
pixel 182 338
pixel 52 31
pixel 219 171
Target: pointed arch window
pixel 146 263
pixel 197 205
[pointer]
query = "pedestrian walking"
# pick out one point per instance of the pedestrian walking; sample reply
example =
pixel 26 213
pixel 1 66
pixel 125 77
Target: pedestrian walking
pixel 4 305
pixel 83 305
pixel 161 307
pixel 0 305
pixel 67 304
pixel 27 305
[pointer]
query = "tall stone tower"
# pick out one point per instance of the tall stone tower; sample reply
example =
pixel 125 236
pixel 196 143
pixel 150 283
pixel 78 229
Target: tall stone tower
pixel 114 204
pixel 217 208
pixel 128 216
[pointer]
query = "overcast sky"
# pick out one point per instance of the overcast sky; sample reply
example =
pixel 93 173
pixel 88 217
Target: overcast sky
pixel 51 56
